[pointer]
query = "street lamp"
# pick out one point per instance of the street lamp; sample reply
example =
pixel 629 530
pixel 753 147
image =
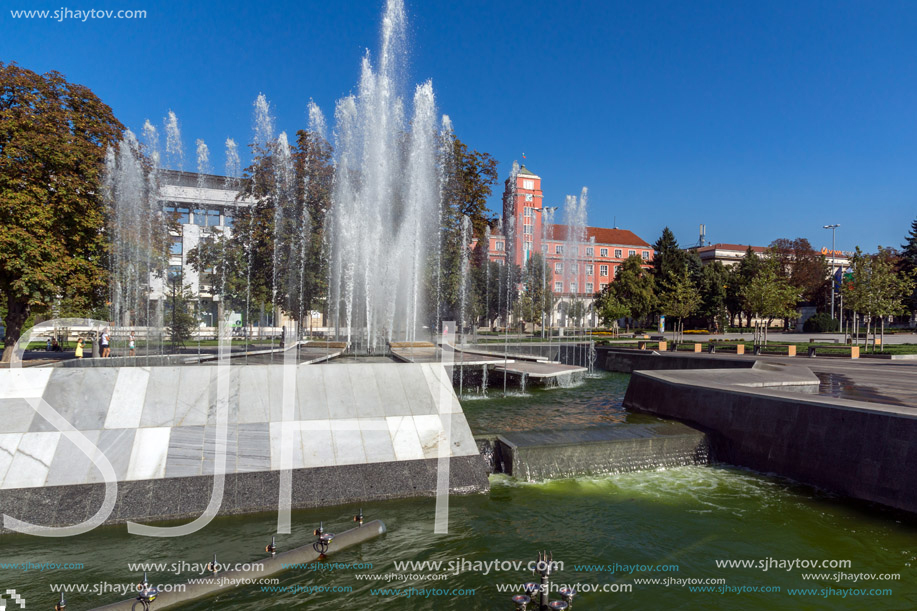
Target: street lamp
pixel 833 229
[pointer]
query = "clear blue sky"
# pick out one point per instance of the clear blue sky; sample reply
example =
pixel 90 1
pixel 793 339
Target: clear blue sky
pixel 761 120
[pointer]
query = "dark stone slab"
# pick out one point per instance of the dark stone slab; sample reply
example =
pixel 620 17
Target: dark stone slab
pixel 134 501
pixel 255 492
pixel 195 494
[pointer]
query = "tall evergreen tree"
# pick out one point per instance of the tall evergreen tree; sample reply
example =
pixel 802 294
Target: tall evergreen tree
pixel 908 262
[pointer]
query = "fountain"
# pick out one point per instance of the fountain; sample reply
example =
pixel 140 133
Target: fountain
pixel 386 201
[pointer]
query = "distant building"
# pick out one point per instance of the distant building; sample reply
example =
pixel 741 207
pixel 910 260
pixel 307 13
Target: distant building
pixel 730 254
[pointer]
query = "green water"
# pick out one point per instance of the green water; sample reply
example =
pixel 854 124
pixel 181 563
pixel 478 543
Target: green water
pixel 687 517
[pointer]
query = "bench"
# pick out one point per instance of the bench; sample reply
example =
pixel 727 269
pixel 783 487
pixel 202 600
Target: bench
pixel 823 340
pixel 853 350
pixel 740 348
pixel 790 349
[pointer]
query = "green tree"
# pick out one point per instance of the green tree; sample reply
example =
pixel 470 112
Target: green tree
pixel 609 308
pixel 537 299
pixel 668 257
pixel 908 263
pixel 806 269
pixel 877 288
pixel 769 295
pixel 888 287
pixel 678 298
pixel 179 316
pixel 469 180
pixel 287 267
pixel 53 242
pixel 635 287
pixel 713 287
pixel 576 310
pixel 741 276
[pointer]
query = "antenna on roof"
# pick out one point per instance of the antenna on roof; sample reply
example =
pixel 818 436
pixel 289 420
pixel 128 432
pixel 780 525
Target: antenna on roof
pixel 702 240
pixel 615 222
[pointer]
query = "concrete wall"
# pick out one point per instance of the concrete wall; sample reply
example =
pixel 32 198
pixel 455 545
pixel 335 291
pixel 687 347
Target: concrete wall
pixel 626 360
pixel 351 424
pixel 861 450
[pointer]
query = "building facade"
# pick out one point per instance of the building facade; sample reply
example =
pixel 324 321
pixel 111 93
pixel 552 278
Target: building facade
pixel 577 269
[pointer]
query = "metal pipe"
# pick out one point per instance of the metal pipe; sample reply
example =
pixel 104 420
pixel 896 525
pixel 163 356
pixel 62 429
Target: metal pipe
pixel 275 564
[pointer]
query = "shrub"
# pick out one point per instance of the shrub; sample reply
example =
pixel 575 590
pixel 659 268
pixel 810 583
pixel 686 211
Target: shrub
pixel 821 323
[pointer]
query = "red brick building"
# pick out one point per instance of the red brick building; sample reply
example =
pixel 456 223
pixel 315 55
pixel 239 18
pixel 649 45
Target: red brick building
pixel 596 260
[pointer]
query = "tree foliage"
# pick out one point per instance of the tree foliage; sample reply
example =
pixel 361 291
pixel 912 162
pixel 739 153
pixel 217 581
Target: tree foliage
pixel 806 269
pixel 908 263
pixel 53 139
pixel 269 260
pixel 633 287
pixel 678 297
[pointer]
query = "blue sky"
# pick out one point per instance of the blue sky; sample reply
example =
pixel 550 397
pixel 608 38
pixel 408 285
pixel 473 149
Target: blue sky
pixel 760 120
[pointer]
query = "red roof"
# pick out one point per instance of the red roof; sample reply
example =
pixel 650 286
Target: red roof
pixel 603 235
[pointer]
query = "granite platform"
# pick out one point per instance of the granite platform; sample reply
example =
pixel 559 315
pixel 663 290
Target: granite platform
pixel 360 431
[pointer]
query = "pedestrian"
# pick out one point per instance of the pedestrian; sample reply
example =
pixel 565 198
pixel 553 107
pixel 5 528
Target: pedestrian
pixel 131 345
pixel 55 345
pixel 79 348
pixel 103 343
pixel 48 345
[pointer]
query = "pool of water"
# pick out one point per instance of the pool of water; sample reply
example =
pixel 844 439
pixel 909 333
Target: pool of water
pixel 673 524
pixel 595 401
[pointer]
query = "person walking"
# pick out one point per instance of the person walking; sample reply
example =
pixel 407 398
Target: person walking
pixel 132 346
pixel 79 348
pixel 103 343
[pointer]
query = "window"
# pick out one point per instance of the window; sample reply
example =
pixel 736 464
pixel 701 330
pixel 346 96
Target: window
pixel 527 229
pixel 529 197
pixel 213 218
pixel 528 184
pixel 646 255
pixel 527 220
pixel 589 288
pixel 614 271
pixel 527 211
pixel 200 217
pixel 631 253
pixel 617 253
pixel 603 270
pixel 528 238
pixel 558 287
pixel 590 251
pixel 176 248
pixel 603 252
pixel 558 250
pixel 590 269
pixel 499 246
pixel 181 215
pixel 574 267
pixel 603 286
pixel 559 268
pixel 572 287
pixel 175 273
pixel 227 219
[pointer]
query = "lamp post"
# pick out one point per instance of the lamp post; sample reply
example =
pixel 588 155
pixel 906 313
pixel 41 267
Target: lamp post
pixel 833 229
